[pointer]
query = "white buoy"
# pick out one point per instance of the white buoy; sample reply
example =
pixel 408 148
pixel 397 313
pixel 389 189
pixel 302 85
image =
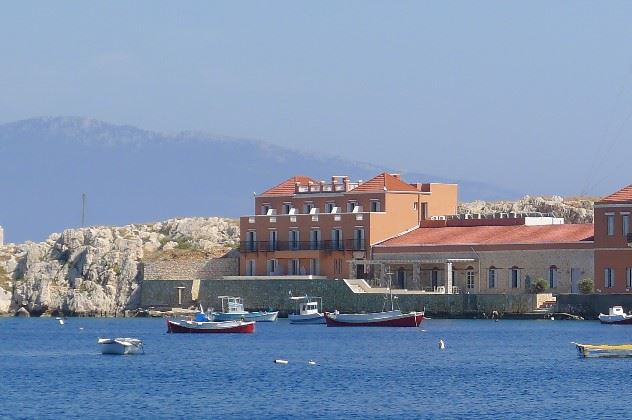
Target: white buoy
pixel 311 362
pixel 81 328
pixel 61 322
pixel 280 362
pixel 441 344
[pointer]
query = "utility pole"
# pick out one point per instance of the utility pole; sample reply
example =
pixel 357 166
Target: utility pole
pixel 83 209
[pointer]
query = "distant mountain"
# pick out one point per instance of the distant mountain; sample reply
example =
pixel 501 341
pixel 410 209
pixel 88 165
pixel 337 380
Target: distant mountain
pixel 131 175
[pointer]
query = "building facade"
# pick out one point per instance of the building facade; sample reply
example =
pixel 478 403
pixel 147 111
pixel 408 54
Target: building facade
pixel 308 227
pixel 496 255
pixel 613 243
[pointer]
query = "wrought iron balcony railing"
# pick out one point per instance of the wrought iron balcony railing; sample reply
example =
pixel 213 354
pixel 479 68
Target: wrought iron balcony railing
pixel 267 246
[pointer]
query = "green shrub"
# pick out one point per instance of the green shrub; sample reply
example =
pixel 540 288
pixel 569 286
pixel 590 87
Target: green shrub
pixel 540 285
pixel 586 286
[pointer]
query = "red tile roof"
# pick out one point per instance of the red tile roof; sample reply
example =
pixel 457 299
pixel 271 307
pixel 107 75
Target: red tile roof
pixel 494 235
pixel 288 187
pixel 624 195
pixel 383 180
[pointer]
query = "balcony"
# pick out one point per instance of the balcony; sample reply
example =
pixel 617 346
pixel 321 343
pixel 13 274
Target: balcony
pixel 270 246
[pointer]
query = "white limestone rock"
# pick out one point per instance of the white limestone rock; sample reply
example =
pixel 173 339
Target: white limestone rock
pixel 95 270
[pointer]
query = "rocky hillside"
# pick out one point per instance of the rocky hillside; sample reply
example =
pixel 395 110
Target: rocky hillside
pixel 573 210
pixel 96 270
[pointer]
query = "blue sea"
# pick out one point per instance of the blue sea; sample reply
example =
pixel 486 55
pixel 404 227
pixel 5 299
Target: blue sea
pixel 502 370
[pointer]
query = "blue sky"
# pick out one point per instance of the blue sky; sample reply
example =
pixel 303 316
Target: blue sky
pixel 533 96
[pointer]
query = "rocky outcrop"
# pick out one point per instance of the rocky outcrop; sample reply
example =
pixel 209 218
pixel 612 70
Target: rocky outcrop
pixel 98 270
pixel 579 210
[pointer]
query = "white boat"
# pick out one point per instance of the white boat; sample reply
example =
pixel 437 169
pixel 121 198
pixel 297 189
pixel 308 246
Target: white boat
pixel 120 345
pixel 233 309
pixel 392 318
pixel 616 315
pixel 308 312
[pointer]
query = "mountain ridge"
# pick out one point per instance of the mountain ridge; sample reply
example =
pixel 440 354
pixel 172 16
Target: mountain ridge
pixel 130 174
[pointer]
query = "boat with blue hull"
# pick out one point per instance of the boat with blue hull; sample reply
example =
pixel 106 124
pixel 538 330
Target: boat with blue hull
pixel 233 310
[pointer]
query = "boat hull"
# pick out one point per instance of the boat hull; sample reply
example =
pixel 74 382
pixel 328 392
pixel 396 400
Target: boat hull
pixel 246 316
pixel 312 319
pixel 615 319
pixel 210 327
pixel 604 350
pixel 376 319
pixel 120 346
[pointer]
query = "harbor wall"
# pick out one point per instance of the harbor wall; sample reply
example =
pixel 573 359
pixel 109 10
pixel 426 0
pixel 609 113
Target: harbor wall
pixel 589 306
pixel 274 294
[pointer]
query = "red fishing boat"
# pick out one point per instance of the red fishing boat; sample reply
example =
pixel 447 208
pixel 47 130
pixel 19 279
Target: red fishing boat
pixel 192 326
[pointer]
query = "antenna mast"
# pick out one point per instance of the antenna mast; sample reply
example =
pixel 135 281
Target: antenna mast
pixel 83 209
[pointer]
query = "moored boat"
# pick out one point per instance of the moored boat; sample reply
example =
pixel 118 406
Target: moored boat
pixel 604 350
pixel 192 326
pixel 233 309
pixel 394 318
pixel 308 312
pixel 120 345
pixel 616 315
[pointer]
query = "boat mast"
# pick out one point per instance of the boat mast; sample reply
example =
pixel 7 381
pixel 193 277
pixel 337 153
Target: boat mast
pixel 390 288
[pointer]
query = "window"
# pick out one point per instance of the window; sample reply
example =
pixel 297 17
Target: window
pixel 628 277
pixel 329 207
pixel 272 267
pixel 625 221
pixel 307 208
pixel 469 278
pixel 273 244
pixel 358 239
pixel 294 240
pixel 251 268
pixel 265 209
pixel 351 205
pixel 293 267
pixel 314 268
pixel 610 221
pixel 515 277
pixel 286 208
pixel 314 239
pixel 435 278
pixel 336 239
pixel 251 240
pixel 375 205
pixel 552 277
pixel 491 278
pixel 608 277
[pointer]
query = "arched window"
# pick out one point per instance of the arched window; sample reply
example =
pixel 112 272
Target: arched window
pixel 469 277
pixel 552 277
pixel 491 277
pixel 514 277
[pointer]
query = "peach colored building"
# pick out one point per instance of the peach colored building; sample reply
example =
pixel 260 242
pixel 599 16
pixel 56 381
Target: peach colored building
pixel 304 226
pixel 613 243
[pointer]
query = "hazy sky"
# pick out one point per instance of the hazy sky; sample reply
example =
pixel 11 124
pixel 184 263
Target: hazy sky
pixel 535 96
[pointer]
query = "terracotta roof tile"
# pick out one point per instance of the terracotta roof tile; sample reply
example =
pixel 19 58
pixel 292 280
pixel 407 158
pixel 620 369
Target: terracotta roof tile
pixel 624 195
pixel 287 187
pixel 382 180
pixel 495 235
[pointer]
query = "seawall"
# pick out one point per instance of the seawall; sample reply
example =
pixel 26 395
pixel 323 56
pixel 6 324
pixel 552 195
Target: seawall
pixel 274 294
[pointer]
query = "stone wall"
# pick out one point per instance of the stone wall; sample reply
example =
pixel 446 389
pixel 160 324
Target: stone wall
pixel 186 269
pixel 589 306
pixel 274 294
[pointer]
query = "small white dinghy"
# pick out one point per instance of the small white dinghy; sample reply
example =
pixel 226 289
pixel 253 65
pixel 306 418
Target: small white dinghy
pixel 121 345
